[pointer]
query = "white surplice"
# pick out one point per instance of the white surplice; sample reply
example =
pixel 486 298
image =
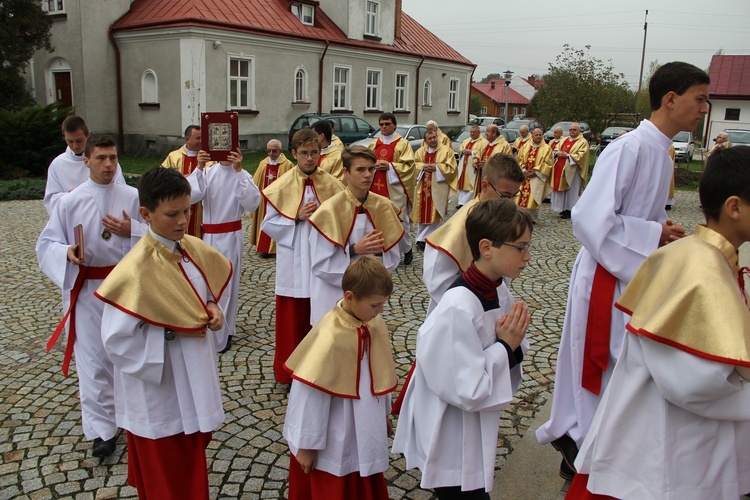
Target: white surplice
pixel 618 221
pixel 292 250
pixel 226 195
pixel 450 418
pixel 349 434
pixel 671 426
pixel 163 387
pixel 328 263
pixel 87 205
pixel 66 172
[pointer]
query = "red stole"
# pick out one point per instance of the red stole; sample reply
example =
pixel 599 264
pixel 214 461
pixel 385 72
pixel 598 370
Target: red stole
pixel 525 197
pixel 466 164
pixel 190 163
pixel 264 241
pixel 426 207
pixel 380 181
pixel 560 163
pixel 485 156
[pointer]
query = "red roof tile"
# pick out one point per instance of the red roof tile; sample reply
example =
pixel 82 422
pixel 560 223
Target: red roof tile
pixel 498 93
pixel 275 18
pixel 730 76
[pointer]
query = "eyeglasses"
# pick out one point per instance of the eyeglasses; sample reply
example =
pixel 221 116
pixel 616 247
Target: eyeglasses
pixel 503 195
pixel 385 124
pixel 521 248
pixel 305 154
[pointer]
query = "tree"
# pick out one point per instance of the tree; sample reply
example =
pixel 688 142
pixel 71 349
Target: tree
pixel 643 104
pixel 580 87
pixel 24 28
pixel 489 77
pixel 475 105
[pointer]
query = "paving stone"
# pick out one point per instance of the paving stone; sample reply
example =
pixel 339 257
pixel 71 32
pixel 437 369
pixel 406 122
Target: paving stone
pixel 44 454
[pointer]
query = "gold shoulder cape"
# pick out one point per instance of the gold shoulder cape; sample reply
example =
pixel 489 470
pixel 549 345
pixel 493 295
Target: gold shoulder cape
pixel 335 218
pixel 450 238
pixel 259 178
pixel 328 357
pixel 149 284
pixel 686 295
pixel 285 195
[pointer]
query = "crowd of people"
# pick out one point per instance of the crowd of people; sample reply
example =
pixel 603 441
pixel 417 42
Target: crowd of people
pixel 652 362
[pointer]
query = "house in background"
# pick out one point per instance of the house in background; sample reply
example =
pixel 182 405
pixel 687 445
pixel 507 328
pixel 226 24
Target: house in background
pixel 493 98
pixel 145 69
pixel 729 93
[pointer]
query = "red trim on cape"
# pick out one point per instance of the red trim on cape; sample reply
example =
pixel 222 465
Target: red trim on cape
pixel 149 321
pixel 446 252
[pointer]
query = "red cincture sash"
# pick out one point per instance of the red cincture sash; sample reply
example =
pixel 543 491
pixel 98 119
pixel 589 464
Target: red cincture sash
pixel 223 227
pixel 598 328
pixel 84 273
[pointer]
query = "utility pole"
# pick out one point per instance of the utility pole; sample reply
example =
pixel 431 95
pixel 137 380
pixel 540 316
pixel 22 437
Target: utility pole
pixel 643 58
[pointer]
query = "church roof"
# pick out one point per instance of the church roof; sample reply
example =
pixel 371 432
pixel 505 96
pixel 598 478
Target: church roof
pixel 730 77
pixel 274 18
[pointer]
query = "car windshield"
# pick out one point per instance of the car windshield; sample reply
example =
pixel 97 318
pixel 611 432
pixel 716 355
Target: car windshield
pixel 516 124
pixel 739 137
pixel 681 137
pixel 462 136
pixel 399 130
pixel 612 130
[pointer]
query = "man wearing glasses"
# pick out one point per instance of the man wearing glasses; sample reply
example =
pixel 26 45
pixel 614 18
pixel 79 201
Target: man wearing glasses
pixel 269 169
pixel 569 172
pixel 394 175
pixel 447 254
pixel 496 145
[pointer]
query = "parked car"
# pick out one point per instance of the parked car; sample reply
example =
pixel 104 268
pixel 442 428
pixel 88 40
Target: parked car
pixel 348 128
pixel 684 146
pixel 413 133
pixel 483 121
pixel 585 130
pixel 510 136
pixel 738 137
pixel 609 135
pixel 532 123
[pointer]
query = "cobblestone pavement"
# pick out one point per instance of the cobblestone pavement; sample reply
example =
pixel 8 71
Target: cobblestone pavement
pixel 42 450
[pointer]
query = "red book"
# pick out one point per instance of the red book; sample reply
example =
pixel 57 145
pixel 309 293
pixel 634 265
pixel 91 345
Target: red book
pixel 220 134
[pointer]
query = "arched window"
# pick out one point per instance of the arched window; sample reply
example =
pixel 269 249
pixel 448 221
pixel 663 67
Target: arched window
pixel 300 84
pixel 427 93
pixel 149 87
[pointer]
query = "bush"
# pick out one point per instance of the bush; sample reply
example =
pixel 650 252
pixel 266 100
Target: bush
pixel 22 189
pixel 32 139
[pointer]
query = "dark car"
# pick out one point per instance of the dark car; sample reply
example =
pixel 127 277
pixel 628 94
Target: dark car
pixel 565 126
pixel 610 134
pixel 510 136
pixel 349 128
pixel 532 123
pixel 413 133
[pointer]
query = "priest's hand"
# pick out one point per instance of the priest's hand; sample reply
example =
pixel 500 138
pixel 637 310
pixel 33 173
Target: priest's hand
pixel 203 158
pixel 120 227
pixel 371 244
pixel 73 255
pixel 382 165
pixel 511 328
pixel 478 163
pixel 216 318
pixel 529 174
pixel 671 232
pixel 306 210
pixel 307 459
pixel 429 167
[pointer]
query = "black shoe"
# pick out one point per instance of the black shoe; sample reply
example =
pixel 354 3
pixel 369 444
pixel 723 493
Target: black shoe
pixel 546 200
pixel 420 246
pixel 569 451
pixel 228 346
pixel 408 257
pixel 458 207
pixel 266 255
pixel 668 207
pixel 565 214
pixel 566 472
pixel 104 448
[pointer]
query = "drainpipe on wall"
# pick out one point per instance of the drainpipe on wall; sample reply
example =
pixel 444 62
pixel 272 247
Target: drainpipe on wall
pixel 416 94
pixel 320 79
pixel 118 70
pixel 706 138
pixel 468 96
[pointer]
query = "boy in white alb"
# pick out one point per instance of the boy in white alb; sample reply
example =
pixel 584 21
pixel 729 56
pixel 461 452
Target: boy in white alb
pixel 337 417
pixel 68 171
pixel 105 242
pixel 227 191
pixel 160 300
pixel 468 367
pixel 350 224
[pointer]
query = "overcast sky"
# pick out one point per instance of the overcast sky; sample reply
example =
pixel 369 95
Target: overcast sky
pixel 525 36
